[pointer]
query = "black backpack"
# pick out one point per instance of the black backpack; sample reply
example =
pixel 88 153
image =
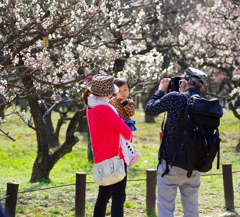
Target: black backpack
pixel 196 142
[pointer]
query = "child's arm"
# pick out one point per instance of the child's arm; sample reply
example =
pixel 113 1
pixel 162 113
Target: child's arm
pixel 129 107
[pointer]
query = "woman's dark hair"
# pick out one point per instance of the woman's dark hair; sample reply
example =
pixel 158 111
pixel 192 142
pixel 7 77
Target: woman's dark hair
pixel 86 93
pixel 121 81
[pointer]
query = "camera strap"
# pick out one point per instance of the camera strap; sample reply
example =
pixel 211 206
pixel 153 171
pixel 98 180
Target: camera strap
pixel 162 128
pixel 163 121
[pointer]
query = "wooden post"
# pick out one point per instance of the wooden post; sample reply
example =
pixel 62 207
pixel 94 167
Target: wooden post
pixel 151 191
pixel 11 202
pixel 228 186
pixel 80 194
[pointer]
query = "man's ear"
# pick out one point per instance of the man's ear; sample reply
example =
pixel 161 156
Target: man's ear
pixel 184 85
pixel 202 88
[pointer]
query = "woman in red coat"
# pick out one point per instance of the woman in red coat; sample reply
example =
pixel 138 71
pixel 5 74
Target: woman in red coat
pixel 105 127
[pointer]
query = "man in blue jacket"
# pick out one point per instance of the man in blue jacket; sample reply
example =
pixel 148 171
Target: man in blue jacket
pixel 169 180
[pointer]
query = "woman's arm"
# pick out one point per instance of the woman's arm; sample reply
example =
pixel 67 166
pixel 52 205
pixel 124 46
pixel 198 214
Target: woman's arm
pixel 109 118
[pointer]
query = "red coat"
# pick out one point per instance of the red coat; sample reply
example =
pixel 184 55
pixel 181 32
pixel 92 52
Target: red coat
pixel 105 128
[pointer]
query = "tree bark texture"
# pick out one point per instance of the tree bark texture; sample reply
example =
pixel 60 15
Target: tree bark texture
pixel 234 110
pixel 42 166
pixel 23 104
pixel 82 125
pixel 90 152
pixel 238 146
pixel 52 136
pixel 45 160
pixel 145 98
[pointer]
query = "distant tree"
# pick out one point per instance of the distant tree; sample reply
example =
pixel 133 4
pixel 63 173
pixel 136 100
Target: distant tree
pixel 211 39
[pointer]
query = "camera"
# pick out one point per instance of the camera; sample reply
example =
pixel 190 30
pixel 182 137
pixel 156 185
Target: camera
pixel 174 84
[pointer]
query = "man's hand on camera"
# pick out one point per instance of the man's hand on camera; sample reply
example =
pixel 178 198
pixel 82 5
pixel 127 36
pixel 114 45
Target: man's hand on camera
pixel 163 86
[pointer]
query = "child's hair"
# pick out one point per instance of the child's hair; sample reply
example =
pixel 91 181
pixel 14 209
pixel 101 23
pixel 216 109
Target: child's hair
pixel 121 81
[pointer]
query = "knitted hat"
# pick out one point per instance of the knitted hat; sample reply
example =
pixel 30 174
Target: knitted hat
pixel 102 84
pixel 194 76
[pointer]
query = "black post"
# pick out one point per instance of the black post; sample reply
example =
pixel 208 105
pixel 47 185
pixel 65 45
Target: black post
pixel 80 194
pixel 11 202
pixel 228 186
pixel 151 191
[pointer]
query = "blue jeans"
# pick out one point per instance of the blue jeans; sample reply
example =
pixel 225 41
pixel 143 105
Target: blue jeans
pixel 117 192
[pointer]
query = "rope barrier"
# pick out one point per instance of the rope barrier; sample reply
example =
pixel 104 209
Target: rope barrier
pixel 217 174
pixel 236 171
pixel 213 174
pixel 136 180
pixel 5 197
pixel 40 189
pixel 130 180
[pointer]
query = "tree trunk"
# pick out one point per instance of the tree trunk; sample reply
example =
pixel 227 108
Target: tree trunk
pixel 238 146
pixel 82 125
pixel 90 152
pixel 145 97
pixel 45 162
pixel 23 104
pixel 233 109
pixel 149 119
pixel 2 107
pixel 52 136
pixel 42 166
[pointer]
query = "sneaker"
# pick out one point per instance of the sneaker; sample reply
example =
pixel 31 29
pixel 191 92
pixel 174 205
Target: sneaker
pixel 134 159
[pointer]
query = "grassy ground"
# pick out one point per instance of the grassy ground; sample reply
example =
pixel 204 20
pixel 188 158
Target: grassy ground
pixel 16 160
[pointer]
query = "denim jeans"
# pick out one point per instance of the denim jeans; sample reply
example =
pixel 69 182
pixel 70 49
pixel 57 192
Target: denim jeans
pixel 117 192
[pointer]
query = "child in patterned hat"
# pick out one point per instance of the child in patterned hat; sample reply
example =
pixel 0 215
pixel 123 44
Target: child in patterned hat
pixel 125 108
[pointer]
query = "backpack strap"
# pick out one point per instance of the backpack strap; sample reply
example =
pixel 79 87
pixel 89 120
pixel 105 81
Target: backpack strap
pixel 160 152
pixel 166 170
pixel 187 95
pixel 189 173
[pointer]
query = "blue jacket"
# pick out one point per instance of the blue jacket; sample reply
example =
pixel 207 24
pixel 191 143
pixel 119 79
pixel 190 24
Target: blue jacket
pixel 174 103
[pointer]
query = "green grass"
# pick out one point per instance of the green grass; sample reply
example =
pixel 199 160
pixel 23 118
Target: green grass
pixel 17 158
